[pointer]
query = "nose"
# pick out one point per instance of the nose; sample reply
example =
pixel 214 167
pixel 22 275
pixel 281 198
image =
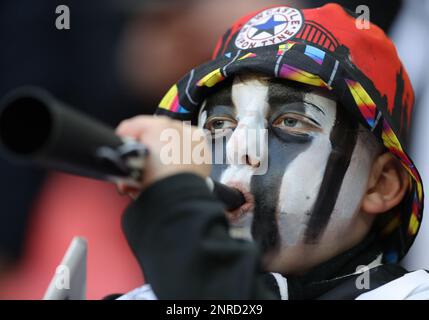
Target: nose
pixel 247 146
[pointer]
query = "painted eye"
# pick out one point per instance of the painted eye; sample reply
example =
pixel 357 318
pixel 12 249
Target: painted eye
pixel 295 123
pixel 218 124
pixel 290 122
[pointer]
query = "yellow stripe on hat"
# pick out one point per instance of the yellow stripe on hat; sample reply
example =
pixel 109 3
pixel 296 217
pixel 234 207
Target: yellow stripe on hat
pixel 211 79
pixel 361 96
pixel 419 190
pixel 167 101
pixel 414 225
pixel 390 140
pixel 248 55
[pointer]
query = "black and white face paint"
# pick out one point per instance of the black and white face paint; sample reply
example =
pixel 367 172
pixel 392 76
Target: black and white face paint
pixel 318 160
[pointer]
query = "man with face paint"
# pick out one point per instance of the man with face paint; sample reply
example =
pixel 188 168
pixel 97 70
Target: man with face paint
pixel 331 195
pixel 312 209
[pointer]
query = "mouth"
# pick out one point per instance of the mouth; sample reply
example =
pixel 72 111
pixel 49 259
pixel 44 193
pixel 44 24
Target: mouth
pixel 247 207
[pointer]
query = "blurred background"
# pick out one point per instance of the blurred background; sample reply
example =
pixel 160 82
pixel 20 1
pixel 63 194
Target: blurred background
pixel 116 61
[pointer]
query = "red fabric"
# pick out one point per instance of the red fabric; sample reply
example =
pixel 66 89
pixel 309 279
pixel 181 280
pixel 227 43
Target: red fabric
pixel 71 206
pixel 370 49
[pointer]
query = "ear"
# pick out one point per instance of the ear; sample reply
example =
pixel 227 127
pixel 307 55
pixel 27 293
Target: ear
pixel 387 184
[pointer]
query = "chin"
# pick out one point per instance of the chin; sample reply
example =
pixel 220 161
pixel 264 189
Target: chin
pixel 294 260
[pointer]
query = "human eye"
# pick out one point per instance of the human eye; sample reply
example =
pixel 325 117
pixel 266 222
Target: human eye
pixel 219 125
pixel 295 123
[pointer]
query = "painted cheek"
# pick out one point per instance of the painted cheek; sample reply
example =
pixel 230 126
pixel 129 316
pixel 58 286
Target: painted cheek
pixel 267 188
pixel 303 177
pixel 343 140
pixel 355 182
pixel 299 189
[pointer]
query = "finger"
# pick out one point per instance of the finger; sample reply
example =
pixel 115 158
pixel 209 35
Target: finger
pixel 120 186
pixel 134 127
pixel 124 189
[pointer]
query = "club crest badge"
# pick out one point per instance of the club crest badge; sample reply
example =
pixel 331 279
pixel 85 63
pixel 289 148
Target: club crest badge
pixel 271 26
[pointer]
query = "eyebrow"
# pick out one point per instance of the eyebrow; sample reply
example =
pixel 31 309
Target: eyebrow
pixel 310 104
pixel 279 96
pixel 299 106
pixel 220 109
pixel 283 92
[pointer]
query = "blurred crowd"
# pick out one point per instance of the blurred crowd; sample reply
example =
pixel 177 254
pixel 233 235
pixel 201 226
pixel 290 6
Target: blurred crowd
pixel 116 61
